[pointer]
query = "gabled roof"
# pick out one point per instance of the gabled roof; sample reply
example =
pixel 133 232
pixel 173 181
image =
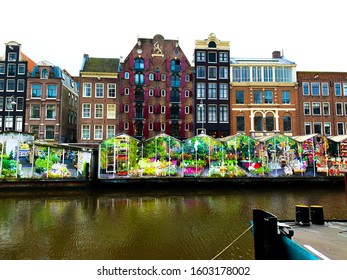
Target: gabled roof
pixel 31 63
pixel 302 138
pixel 338 138
pixel 101 65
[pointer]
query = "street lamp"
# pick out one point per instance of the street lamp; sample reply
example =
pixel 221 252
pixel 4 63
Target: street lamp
pixel 10 108
pixel 201 106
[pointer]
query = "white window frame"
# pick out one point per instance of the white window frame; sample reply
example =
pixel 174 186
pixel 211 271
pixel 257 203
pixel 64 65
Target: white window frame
pixel 86 89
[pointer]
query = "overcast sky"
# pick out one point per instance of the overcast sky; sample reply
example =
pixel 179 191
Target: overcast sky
pixel 311 33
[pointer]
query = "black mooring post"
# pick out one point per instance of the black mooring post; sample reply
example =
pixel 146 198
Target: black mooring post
pixel 265 235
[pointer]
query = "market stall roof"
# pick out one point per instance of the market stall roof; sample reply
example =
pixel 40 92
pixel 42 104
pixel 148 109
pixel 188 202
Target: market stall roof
pixel 303 138
pixel 338 138
pixel 230 137
pixel 162 135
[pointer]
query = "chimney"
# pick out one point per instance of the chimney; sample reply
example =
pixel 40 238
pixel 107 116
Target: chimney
pixel 276 54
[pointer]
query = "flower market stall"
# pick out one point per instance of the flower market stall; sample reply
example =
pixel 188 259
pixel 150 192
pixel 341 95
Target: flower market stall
pixel 237 151
pixel 277 152
pixel 118 156
pixel 201 154
pixel 161 156
pixel 337 151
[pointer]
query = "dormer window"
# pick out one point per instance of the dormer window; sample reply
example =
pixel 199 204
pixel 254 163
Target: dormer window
pixel 44 74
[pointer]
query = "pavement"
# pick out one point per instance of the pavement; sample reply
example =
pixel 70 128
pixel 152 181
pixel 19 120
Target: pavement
pixel 328 241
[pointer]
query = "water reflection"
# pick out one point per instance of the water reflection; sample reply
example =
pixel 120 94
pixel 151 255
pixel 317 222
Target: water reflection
pixel 138 226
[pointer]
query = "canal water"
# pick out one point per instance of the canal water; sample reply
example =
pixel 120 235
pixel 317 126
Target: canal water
pixel 90 225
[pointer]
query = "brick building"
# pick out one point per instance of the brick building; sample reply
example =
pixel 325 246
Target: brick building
pixel 322 104
pixel 51 104
pixel 99 117
pixel 264 96
pixel 156 90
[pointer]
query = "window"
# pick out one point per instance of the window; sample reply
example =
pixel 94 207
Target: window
pixel 337 89
pixel 126 75
pixel 150 126
pixel 139 79
pixel 315 89
pixel 34 111
pixel 111 131
pixel 20 85
pixel 99 90
pixel 50 112
pixel 21 69
pixel 345 108
pixel 326 108
pixel 317 128
pixel 1 103
pixel 85 132
pixel 283 74
pixel 223 114
pixel 36 90
pixel 200 56
pixel 162 109
pixel 200 90
pixel 258 123
pixel 2 85
pixel 19 124
pixel 44 74
pixel 345 89
pixel 339 109
pixel 258 97
pixel 240 123
pixel 223 91
pixel 87 90
pixel 287 123
pixel 11 85
pixel 175 80
pixel 49 134
pixel 223 57
pixel 0 123
pixel 212 113
pixel 340 128
pixel 201 72
pixel 20 103
pixel 8 122
pixel 163 77
pixel 52 91
pixel 186 110
pixel 285 97
pixel 212 90
pixel 268 74
pixel 162 126
pixel 327 128
pixel 269 123
pixel 98 114
pixel 9 105
pixel 139 64
pixel 34 129
pixel 223 73
pixel 97 132
pixel 86 110
pixel 212 72
pixel 11 70
pixel 240 99
pixel 212 57
pixel 111 111
pixel 200 111
pixel 325 89
pixel 151 76
pixel 111 90
pixel 256 73
pixel 316 108
pixel 126 91
pixel 305 88
pixel 150 92
pixel 307 108
pixel 126 108
pixel 2 68
pixel 268 96
pixel 150 109
pixel 12 56
pixel 308 129
pixel 175 65
pixel 162 92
